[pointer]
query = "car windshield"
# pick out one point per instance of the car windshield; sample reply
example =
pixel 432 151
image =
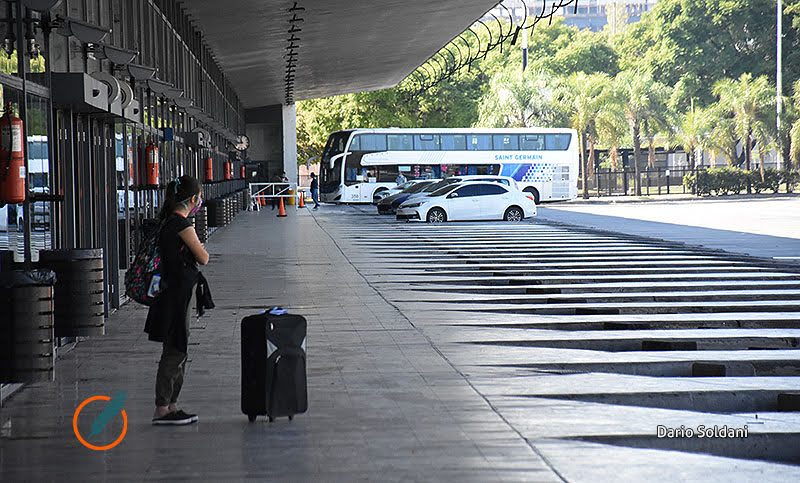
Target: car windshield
pixel 440 184
pixel 417 187
pixel 405 185
pixel 444 190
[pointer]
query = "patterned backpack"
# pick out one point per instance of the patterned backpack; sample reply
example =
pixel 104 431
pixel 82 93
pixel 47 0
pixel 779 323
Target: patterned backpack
pixel 143 278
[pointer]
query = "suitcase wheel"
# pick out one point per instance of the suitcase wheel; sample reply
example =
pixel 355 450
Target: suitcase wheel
pixel 291 417
pixel 271 419
pixel 251 417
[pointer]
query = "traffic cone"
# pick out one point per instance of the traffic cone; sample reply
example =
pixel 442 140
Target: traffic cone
pixel 302 203
pixel 281 210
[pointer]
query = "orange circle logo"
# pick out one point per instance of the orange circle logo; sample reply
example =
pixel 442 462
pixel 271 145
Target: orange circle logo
pixel 89 445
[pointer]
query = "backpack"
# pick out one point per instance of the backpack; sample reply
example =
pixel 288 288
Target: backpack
pixel 143 278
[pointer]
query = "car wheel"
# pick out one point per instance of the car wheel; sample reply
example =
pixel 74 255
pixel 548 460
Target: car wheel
pixel 513 214
pixel 534 192
pixel 375 197
pixel 436 215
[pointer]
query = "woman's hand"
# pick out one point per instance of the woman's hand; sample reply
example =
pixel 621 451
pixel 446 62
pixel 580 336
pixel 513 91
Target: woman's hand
pixel 189 236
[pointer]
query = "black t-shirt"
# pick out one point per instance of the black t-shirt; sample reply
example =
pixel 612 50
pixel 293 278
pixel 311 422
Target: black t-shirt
pixel 314 184
pixel 179 263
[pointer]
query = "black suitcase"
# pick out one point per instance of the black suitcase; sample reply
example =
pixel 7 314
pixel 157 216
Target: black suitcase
pixel 274 366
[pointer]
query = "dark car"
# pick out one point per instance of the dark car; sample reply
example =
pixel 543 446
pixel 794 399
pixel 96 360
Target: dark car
pixel 388 205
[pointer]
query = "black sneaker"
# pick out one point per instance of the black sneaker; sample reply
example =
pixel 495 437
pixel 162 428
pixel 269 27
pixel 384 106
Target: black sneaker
pixel 184 414
pixel 174 418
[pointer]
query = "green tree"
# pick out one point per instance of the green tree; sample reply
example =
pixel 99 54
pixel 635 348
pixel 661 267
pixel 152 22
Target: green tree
pixel 692 133
pixel 582 97
pixel 693 44
pixel 641 98
pixel 518 99
pixel 751 103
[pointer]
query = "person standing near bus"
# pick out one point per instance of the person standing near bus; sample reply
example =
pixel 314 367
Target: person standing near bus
pixel 315 190
pixel 400 179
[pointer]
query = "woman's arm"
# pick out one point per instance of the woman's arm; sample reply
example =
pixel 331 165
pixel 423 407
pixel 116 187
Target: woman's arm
pixel 189 236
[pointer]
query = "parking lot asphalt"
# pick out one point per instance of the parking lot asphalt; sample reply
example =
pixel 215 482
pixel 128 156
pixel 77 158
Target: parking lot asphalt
pixel 760 226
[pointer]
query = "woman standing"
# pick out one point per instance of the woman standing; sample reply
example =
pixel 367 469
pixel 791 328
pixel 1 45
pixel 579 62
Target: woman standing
pixel 168 319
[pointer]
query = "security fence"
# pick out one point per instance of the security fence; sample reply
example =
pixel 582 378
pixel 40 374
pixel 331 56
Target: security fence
pixel 606 182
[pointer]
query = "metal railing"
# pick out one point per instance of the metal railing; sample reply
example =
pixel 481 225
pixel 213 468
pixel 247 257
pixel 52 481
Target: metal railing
pixel 606 182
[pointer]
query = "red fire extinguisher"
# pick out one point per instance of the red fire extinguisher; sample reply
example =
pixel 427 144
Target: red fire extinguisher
pixel 227 168
pixel 152 164
pixel 209 169
pixel 12 158
pixel 242 172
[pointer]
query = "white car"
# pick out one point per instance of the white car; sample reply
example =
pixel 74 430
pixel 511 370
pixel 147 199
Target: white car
pixel 506 180
pixel 471 200
pixel 392 191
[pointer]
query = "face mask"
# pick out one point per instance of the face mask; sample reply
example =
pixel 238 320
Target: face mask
pixel 196 208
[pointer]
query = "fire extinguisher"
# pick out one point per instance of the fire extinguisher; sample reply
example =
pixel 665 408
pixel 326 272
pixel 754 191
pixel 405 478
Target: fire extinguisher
pixel 12 158
pixel 242 172
pixel 209 169
pixel 152 164
pixel 227 169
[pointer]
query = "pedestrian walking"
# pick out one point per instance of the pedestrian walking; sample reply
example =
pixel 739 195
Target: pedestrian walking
pixel 168 318
pixel 400 179
pixel 315 190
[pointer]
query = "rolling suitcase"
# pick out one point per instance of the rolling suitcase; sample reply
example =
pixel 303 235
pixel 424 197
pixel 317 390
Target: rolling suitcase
pixel 274 365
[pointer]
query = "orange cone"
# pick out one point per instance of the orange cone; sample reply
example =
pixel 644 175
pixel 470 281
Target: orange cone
pixel 281 210
pixel 302 203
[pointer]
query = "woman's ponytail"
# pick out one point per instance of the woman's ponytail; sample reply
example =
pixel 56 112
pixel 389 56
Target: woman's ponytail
pixel 178 190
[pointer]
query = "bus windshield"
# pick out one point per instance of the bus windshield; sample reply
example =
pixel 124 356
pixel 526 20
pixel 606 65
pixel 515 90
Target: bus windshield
pixel 335 145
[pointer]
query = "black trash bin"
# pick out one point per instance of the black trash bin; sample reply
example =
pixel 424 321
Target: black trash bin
pixel 26 325
pixel 79 304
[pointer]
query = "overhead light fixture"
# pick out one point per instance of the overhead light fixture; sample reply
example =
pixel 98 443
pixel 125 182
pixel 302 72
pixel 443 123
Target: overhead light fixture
pixel 116 55
pixel 40 5
pixel 158 86
pixel 85 32
pixel 141 72
pixel 183 103
pixel 174 93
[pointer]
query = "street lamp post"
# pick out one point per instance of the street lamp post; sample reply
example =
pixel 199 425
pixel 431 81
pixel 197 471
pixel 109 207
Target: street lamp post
pixel 779 82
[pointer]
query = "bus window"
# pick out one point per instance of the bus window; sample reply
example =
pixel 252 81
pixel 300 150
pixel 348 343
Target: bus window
pixel 368 142
pixel 557 142
pixel 399 142
pixel 454 142
pixel 480 142
pixel 505 142
pixel 387 174
pixel 531 142
pixel 426 142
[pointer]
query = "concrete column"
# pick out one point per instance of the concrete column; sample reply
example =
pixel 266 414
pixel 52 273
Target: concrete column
pixel 290 142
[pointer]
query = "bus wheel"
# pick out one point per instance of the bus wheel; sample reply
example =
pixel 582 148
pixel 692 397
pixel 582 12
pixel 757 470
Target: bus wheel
pixel 534 192
pixel 375 194
pixel 513 213
pixel 436 215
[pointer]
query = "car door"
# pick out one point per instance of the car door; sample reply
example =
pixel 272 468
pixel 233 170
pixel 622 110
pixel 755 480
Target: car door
pixel 464 204
pixel 494 199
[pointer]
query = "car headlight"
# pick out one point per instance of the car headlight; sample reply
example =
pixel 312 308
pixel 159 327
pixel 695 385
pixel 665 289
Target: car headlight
pixel 411 205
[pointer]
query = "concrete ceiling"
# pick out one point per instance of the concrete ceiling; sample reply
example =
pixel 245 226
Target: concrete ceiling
pixel 345 45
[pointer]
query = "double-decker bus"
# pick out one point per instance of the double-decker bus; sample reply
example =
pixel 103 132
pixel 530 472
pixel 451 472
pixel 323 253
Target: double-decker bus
pixel 358 164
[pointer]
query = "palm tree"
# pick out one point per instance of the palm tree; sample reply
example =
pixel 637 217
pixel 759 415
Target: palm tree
pixel 722 137
pixel 751 102
pixel 692 132
pixel 517 99
pixel 642 99
pixel 582 97
pixel 612 127
pixel 795 131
